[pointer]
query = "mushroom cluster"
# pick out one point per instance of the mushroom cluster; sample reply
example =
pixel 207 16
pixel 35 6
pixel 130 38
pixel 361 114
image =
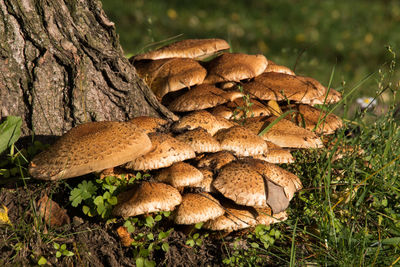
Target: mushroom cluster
pixel 216 164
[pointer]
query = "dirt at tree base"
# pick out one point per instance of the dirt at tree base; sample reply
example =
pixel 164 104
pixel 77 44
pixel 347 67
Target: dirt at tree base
pixel 93 242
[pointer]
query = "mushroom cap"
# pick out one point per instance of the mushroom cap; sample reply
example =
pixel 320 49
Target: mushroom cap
pixel 242 183
pixel 279 176
pixel 203 119
pixel 265 217
pixel 206 183
pixel 276 154
pixel 180 174
pixel 190 48
pixel 217 160
pixel 284 133
pixel 200 140
pixel 332 96
pixel 148 124
pixel 147 197
pixel 311 115
pixel 235 67
pixel 240 109
pixel 279 86
pixel 168 75
pixel 199 97
pixel 166 150
pixel 273 67
pixel 241 141
pixel 235 218
pixel 197 208
pixel 90 147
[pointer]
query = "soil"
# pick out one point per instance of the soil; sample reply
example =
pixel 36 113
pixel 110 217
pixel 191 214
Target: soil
pixel 92 240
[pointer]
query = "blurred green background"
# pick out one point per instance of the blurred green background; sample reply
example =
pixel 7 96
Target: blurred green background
pixel 310 36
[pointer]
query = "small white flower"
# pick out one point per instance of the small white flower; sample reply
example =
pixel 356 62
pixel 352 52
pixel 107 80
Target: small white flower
pixel 366 102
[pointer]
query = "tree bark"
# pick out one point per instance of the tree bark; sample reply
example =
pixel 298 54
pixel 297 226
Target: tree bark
pixel 61 65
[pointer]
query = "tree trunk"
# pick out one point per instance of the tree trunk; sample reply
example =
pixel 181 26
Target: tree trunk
pixel 61 65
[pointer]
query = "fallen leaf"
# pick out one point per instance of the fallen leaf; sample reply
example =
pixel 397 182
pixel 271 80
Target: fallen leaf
pixel 126 239
pixel 52 213
pixel 4 216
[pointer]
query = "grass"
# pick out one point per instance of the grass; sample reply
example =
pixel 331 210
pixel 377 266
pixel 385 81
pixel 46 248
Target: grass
pixel 348 213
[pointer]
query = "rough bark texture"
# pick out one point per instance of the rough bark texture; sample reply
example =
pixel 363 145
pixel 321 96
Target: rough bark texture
pixel 61 65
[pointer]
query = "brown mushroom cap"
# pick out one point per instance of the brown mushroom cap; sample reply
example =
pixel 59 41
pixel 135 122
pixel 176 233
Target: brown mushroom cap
pixel 284 133
pixel 273 67
pixel 279 86
pixel 311 115
pixel 203 119
pixel 242 183
pixel 166 150
pixel 241 141
pixel 148 124
pixel 253 109
pixel 265 217
pixel 147 197
pixel 197 208
pixel 90 147
pixel 216 160
pixel 168 75
pixel 180 174
pixel 200 140
pixel 235 67
pixel 331 97
pixel 199 97
pixel 190 48
pixel 276 154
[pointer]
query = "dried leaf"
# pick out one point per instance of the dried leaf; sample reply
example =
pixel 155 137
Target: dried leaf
pixel 52 213
pixel 123 233
pixel 4 216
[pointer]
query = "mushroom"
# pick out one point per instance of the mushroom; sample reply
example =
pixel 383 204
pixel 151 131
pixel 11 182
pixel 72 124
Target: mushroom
pixel 203 119
pixel 284 133
pixel 235 67
pixel 216 160
pixel 241 141
pixel 279 86
pixel 145 198
pixel 168 75
pixel 166 150
pixel 200 140
pixel 273 67
pixel 199 97
pixel 238 109
pixel 179 175
pixel 90 147
pixel 190 48
pixel 206 184
pixel 276 154
pixel 198 207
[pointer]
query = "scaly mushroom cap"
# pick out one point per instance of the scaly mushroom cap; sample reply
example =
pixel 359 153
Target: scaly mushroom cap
pixel 206 183
pixel 241 141
pixel 203 119
pixel 217 160
pixel 241 109
pixel 168 75
pixel 235 67
pixel 236 217
pixel 149 124
pixel 281 177
pixel 89 147
pixel 276 154
pixel 333 97
pixel 311 115
pixel 180 174
pixel 242 183
pixel 197 208
pixel 284 133
pixel 191 48
pixel 279 86
pixel 200 140
pixel 147 197
pixel 199 97
pixel 265 217
pixel 166 150
pixel 273 67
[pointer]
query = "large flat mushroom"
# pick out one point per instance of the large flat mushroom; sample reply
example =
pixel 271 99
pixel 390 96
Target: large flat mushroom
pixel 200 140
pixel 147 197
pixel 190 48
pixel 89 147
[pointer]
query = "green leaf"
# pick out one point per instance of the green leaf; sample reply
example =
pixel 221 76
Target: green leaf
pixel 42 261
pixel 149 221
pixel 190 242
pixel 150 236
pixel 56 245
pixel 148 263
pixel 68 253
pixel 98 201
pixel 139 262
pixel 391 241
pixel 63 247
pixel 84 191
pixel 10 131
pixel 113 200
pixel 165 247
pixel 198 225
pixel 58 254
pixel 158 218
